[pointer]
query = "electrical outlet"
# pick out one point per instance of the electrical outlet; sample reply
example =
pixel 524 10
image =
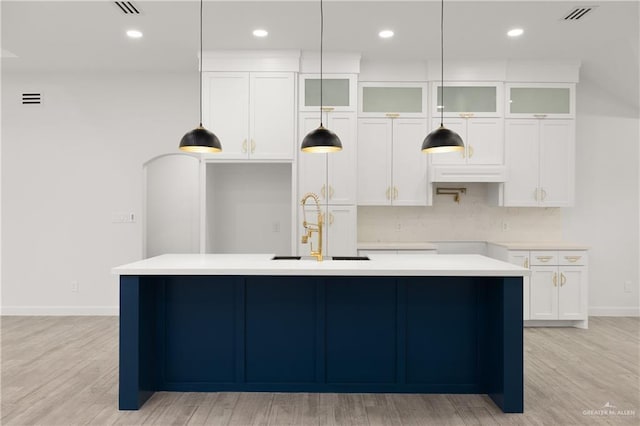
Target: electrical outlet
pixel 505 226
pixel 75 286
pixel 131 217
pixel 627 287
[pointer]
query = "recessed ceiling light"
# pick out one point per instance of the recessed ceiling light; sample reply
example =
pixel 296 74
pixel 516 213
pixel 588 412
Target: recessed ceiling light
pixel 260 33
pixel 515 32
pixel 134 33
pixel 386 34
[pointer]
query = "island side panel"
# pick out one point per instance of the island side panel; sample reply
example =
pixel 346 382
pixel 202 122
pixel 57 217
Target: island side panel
pixel 501 342
pixel 138 370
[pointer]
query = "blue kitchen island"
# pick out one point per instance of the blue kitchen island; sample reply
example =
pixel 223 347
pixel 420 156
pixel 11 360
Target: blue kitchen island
pixel 410 324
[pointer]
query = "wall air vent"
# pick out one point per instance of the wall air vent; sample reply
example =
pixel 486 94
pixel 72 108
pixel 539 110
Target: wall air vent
pixel 127 7
pixel 577 13
pixel 31 99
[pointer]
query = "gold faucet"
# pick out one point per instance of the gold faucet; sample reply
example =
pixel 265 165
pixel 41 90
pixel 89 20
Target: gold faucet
pixel 312 227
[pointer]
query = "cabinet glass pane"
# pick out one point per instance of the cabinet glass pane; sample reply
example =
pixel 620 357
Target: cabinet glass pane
pixel 531 100
pixel 468 99
pixel 392 99
pixel 335 92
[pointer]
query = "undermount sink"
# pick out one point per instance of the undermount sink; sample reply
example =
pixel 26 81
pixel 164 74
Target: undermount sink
pixel 326 258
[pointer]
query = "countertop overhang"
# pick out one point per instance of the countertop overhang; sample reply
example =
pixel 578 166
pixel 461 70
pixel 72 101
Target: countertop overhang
pixel 379 265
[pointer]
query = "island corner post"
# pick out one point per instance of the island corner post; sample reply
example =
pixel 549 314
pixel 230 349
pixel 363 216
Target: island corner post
pixel 397 334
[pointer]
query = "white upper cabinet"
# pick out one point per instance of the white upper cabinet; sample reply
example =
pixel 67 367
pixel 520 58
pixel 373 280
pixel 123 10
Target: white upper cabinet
pixel 540 100
pixel 540 163
pixel 339 92
pixel 253 114
pixel 463 99
pixel 331 176
pixel 406 100
pixel 483 141
pixel 391 168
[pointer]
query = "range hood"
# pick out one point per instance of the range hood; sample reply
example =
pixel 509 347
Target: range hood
pixel 467 173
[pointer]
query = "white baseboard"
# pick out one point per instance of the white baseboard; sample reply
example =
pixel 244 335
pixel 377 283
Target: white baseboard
pixel 613 311
pixel 60 310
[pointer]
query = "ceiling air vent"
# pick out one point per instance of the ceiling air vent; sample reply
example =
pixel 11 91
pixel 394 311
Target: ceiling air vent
pixel 127 7
pixel 31 99
pixel 577 13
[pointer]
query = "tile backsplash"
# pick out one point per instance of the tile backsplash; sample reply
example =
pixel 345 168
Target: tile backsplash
pixel 474 218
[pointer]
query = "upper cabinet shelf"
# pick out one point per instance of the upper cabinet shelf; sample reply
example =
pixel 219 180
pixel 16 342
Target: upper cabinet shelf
pixel 338 92
pixel 540 100
pixel 467 100
pixel 393 100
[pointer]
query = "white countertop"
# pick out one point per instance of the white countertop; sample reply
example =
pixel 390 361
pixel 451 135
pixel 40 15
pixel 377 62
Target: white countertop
pixel 548 245
pixel 376 245
pixel 379 265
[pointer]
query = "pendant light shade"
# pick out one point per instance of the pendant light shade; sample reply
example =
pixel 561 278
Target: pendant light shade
pixel 200 140
pixel 321 140
pixel 442 139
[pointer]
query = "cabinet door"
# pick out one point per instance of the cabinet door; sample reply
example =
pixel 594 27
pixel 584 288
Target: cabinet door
pixel 272 116
pixel 406 100
pixel 458 125
pixel 342 174
pixel 409 166
pixel 485 141
pixel 556 162
pixel 522 162
pixel 572 282
pixel 544 292
pixel 468 99
pixel 225 111
pixel 374 161
pixel 312 167
pixel 541 100
pixel 339 92
pixel 341 225
pixel 521 258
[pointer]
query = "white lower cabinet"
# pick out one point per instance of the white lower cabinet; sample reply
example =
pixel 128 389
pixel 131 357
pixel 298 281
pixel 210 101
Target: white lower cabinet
pixel 339 236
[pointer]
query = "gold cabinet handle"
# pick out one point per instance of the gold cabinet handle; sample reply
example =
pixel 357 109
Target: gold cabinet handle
pixel 466 114
pixel 330 192
pixel 526 262
pixel 327 109
pixel 470 151
pixel 573 259
pixel 535 194
pixel 388 192
pixel 253 146
pixel 563 279
pixel 244 146
pixel 330 218
pixel 555 279
pixel 323 191
pixel 392 115
pixel 539 115
pixel 464 152
pixel 544 194
pixel 395 193
pixel 544 258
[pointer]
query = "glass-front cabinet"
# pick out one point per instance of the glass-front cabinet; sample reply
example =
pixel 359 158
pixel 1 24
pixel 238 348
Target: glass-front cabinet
pixel 339 92
pixel 540 100
pixel 394 100
pixel 467 100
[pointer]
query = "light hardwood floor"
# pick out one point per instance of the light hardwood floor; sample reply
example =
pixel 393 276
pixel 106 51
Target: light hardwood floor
pixel 63 370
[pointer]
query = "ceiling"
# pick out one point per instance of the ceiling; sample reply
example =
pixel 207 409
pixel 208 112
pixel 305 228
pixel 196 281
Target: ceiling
pixel 90 35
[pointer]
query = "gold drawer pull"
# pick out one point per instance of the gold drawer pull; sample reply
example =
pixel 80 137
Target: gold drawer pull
pixel 555 279
pixel 573 259
pixel 327 109
pixel 539 115
pixel 466 114
pixel 544 258
pixel 392 115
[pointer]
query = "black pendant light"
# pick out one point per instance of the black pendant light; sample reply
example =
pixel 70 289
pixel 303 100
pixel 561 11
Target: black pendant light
pixel 200 139
pixel 442 139
pixel 321 139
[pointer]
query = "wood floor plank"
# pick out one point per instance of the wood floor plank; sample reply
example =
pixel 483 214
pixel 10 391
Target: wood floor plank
pixel 64 371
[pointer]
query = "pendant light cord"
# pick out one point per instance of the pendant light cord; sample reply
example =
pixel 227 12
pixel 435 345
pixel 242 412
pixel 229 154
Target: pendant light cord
pixel 200 62
pixel 442 61
pixel 321 46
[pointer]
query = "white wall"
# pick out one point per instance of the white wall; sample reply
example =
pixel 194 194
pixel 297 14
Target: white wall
pixel 70 163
